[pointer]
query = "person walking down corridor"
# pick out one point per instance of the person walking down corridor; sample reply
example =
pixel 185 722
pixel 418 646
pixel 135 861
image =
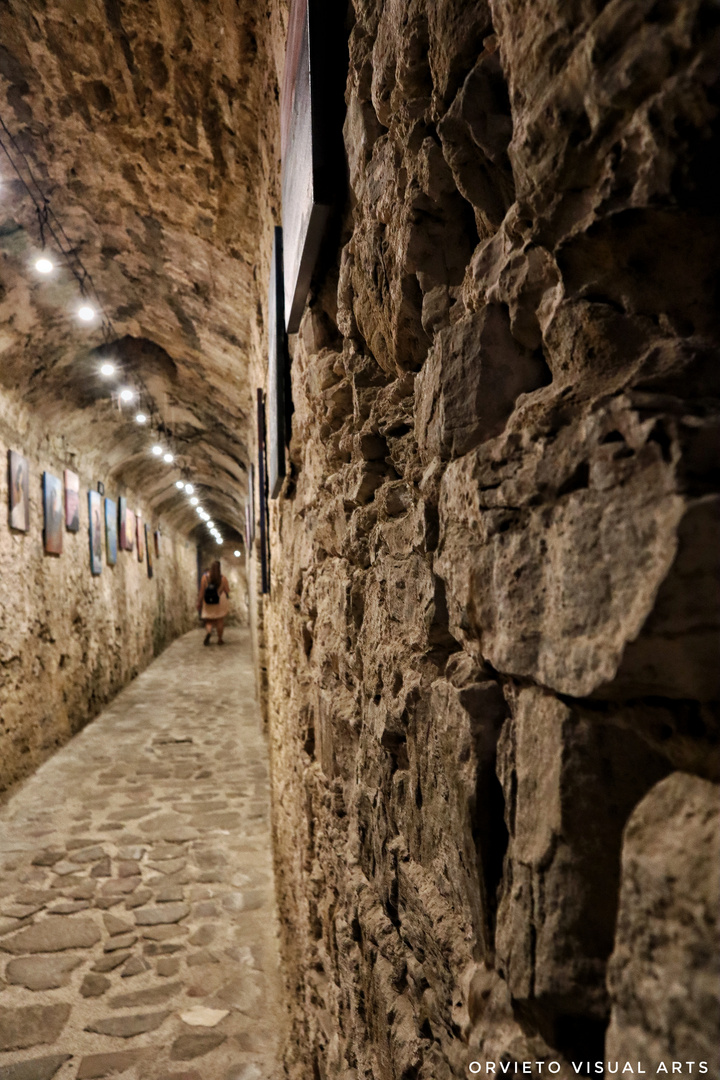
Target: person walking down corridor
pixel 213 602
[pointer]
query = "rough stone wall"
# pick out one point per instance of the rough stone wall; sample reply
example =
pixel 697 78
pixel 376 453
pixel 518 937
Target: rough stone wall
pixel 492 636
pixel 69 641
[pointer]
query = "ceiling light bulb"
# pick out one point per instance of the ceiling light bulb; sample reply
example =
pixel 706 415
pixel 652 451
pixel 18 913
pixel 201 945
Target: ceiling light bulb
pixel 236 554
pixel 127 394
pixel 107 369
pixel 157 450
pixel 44 266
pixel 199 511
pixel 168 458
pixel 218 541
pixel 86 313
pixel 179 485
pixel 189 488
pixel 210 524
pixel 141 418
pixel 193 502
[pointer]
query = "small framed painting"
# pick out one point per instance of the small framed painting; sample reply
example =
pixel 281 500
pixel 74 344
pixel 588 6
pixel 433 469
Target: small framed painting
pixel 251 500
pixel 140 538
pixel 52 514
pixel 156 539
pixel 19 488
pixel 149 550
pixel 130 530
pixel 95 529
pixel 248 513
pixel 72 501
pixel 262 497
pixel 111 538
pixel 122 523
pixel 278 384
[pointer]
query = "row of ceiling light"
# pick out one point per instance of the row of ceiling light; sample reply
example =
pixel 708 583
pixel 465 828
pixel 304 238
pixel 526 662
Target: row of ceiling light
pixel 127 395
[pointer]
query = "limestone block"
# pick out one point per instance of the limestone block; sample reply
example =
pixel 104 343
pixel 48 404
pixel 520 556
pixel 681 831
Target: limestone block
pixel 603 583
pixel 41 972
pixel 664 974
pixel 468 387
pixel 125 1027
pixel 460 837
pixel 99 1065
pixel 54 935
pixel 34 1069
pixel 31 1025
pixel 475 133
pixel 570 783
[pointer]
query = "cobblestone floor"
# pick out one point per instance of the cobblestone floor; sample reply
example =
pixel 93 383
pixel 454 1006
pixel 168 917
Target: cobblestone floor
pixel 137 919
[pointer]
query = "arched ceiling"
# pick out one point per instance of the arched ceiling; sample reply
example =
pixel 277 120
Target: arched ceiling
pixel 142 121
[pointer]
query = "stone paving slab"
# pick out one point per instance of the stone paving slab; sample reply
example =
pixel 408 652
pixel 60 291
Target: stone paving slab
pixel 137 911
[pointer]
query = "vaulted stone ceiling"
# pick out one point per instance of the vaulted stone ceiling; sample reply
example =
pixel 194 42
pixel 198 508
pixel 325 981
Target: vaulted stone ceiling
pixel 141 121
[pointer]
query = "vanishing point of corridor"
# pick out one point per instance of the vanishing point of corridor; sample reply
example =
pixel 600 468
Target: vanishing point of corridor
pixel 137 920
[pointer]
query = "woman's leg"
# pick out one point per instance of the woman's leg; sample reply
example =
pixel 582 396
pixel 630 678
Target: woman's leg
pixel 220 628
pixel 208 629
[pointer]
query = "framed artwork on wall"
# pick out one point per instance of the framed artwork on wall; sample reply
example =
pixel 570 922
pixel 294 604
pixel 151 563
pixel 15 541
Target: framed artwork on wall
pixel 95 530
pixel 122 523
pixel 129 530
pixel 262 496
pixel 52 514
pixel 156 539
pixel 111 537
pixel 72 501
pixel 140 537
pixel 19 489
pixel 311 118
pixel 251 500
pixel 248 513
pixel 278 385
pixel 149 550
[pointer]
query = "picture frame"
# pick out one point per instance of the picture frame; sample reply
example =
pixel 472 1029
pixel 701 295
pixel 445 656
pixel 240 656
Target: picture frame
pixel 149 550
pixel 278 383
pixel 100 487
pixel 122 523
pixel 129 530
pixel 262 497
pixel 248 514
pixel 18 492
pixel 140 536
pixel 53 514
pixel 157 542
pixel 311 119
pixel 95 531
pixel 251 500
pixel 111 535
pixel 72 501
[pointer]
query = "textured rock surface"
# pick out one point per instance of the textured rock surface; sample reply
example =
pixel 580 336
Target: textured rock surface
pixel 664 971
pixel 493 623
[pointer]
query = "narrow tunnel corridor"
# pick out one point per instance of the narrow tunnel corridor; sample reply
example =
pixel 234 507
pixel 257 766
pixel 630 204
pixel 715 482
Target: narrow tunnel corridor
pixel 391 327
pixel 137 908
